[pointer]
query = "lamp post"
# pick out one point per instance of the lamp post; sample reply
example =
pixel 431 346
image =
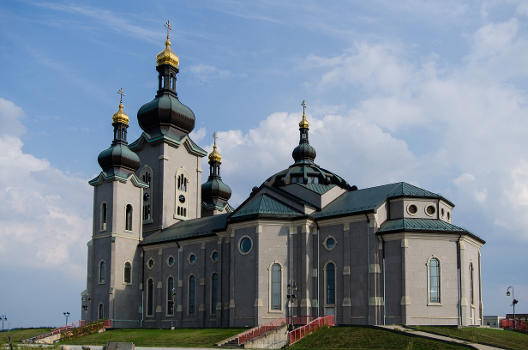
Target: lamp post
pixel 66 314
pixel 514 301
pixel 292 290
pixel 3 318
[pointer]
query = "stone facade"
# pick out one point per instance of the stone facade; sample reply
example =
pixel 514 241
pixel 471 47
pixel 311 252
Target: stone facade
pixel 382 255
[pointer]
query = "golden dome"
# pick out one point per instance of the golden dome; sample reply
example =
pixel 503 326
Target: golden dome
pixel 303 124
pixel 120 116
pixel 167 56
pixel 214 156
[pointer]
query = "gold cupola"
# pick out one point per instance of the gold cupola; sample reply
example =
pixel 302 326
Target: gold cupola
pixel 120 116
pixel 303 124
pixel 214 156
pixel 167 56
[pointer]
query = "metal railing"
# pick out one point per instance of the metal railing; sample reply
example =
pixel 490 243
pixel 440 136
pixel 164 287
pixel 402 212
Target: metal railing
pixel 301 332
pixel 515 324
pixel 74 328
pixel 261 330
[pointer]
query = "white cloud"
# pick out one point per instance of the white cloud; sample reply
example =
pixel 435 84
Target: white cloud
pixel 205 72
pixel 44 212
pixel 10 115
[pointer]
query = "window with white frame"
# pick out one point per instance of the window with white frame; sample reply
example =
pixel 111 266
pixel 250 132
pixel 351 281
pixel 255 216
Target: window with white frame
pixel 471 284
pixel 434 280
pixel 102 272
pixel 127 273
pixel 128 217
pixel 191 299
pixel 330 283
pixel 170 296
pixel 146 176
pixel 103 217
pixel 150 297
pixel 276 287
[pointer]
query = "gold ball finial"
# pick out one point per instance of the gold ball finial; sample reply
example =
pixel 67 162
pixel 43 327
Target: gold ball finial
pixel 120 116
pixel 167 56
pixel 303 124
pixel 214 156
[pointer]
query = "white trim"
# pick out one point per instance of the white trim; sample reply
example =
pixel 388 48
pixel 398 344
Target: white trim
pixel 167 297
pixel 211 256
pixel 270 282
pixel 146 168
pixel 408 209
pixel 325 284
pixel 148 295
pixel 185 193
pixel 189 294
pixel 124 269
pixel 429 302
pixel 240 241
pixel 103 225
pixel 189 258
pixel 131 218
pixel 173 261
pixel 148 263
pixel 99 280
pixel 325 242
pixel 427 207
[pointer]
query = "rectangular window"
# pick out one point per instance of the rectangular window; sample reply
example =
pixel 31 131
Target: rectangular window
pixel 276 287
pixel 191 295
pixel 170 296
pixel 214 293
pixel 434 281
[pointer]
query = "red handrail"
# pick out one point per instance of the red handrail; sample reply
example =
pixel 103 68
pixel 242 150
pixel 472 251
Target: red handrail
pixel 260 330
pixel 301 332
pixel 515 324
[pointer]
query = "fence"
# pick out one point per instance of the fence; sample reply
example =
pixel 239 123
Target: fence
pixel 516 325
pixel 72 330
pixel 301 332
pixel 261 330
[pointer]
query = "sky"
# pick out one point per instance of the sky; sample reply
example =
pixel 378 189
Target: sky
pixel 434 93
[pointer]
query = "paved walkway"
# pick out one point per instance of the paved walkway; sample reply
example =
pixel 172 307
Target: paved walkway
pixel 440 337
pixel 100 347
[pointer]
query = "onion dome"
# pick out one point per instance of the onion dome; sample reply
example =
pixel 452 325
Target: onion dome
pixel 165 113
pixel 118 155
pixel 304 170
pixel 215 193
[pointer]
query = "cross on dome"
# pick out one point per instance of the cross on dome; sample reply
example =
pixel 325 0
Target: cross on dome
pixel 122 93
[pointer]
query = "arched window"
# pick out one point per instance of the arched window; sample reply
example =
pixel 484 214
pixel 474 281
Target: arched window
pixel 471 281
pixel 182 200
pixel 214 293
pixel 150 297
pixel 434 280
pixel 330 283
pixel 191 295
pixel 100 311
pixel 101 272
pixel 147 194
pixel 276 287
pixel 127 273
pixel 103 216
pixel 170 296
pixel 128 217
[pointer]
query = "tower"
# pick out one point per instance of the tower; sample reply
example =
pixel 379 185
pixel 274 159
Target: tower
pixel 215 193
pixel 113 260
pixel 170 160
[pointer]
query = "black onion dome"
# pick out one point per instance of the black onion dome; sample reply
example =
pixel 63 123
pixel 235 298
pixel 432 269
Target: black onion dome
pixel 215 188
pixel 303 151
pixel 118 155
pixel 306 172
pixel 163 111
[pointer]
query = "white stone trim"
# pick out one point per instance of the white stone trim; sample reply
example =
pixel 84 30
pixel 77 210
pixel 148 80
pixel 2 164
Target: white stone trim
pixel 270 275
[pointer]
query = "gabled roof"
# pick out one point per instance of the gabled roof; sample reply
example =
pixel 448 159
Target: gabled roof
pixel 423 225
pixel 201 227
pixel 368 199
pixel 265 205
pixel 171 139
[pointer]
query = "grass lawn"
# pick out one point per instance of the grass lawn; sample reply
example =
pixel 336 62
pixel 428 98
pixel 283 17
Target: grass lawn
pixel 19 334
pixel 498 337
pixel 369 338
pixel 159 337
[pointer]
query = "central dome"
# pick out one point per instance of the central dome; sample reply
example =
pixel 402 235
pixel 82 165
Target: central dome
pixel 165 111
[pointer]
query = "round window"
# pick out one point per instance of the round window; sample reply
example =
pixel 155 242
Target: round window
pixel 150 263
pixel 181 198
pixel 245 245
pixel 170 261
pixel 412 209
pixel 214 256
pixel 330 243
pixel 430 210
pixel 192 258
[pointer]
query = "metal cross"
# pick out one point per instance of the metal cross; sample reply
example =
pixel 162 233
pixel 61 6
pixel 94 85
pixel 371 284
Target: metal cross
pixel 120 92
pixel 167 25
pixel 215 137
pixel 303 104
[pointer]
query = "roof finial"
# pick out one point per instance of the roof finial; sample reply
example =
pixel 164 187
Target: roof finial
pixel 120 116
pixel 304 123
pixel 122 93
pixel 214 156
pixel 167 25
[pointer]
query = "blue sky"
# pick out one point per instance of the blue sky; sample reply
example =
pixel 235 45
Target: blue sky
pixel 429 92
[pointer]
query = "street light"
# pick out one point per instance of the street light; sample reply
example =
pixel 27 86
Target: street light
pixel 514 301
pixel 3 318
pixel 66 314
pixel 292 289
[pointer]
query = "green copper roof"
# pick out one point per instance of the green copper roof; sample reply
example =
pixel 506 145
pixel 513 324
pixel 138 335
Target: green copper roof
pixel 189 229
pixel 266 205
pixel 318 188
pixel 368 199
pixel 423 225
pixel 171 139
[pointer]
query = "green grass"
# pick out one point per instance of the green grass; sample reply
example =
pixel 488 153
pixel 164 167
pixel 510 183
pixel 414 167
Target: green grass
pixel 19 334
pixel 357 337
pixel 498 337
pixel 159 337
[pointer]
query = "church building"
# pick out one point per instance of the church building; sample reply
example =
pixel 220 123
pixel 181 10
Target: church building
pixel 168 250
